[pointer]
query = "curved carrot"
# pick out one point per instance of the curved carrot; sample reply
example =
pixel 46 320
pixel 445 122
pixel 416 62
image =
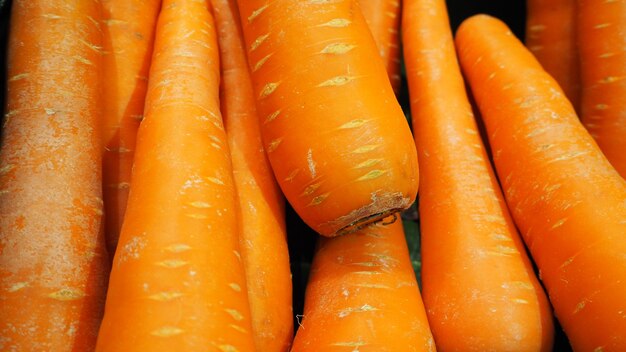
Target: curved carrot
pixel 177 282
pixel 362 296
pixel 567 200
pixel 52 255
pixel 479 288
pixel 334 133
pixel 128 33
pixel 383 20
pixel 602 43
pixel 262 220
pixel 551 37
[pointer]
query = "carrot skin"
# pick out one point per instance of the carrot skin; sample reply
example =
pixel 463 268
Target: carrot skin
pixel 53 262
pixel 566 199
pixel 315 122
pixel 602 45
pixel 177 282
pixel 362 294
pixel 551 37
pixel 128 36
pixel 262 211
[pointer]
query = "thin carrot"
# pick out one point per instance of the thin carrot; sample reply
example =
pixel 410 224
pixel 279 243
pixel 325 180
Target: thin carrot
pixel 480 291
pixel 262 219
pixel 383 20
pixel 551 37
pixel 177 282
pixel 602 43
pixel 336 137
pixel 52 255
pixel 567 200
pixel 128 32
pixel 362 296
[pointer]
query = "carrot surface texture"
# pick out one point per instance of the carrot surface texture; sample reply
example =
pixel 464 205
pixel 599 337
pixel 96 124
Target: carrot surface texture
pixel 479 288
pixel 52 255
pixel 177 282
pixel 383 20
pixel 566 199
pixel 334 133
pixel 551 37
pixel 128 35
pixel 602 46
pixel 362 296
pixel 262 219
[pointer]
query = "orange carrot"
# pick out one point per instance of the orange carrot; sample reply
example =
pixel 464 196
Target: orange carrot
pixel 551 37
pixel 362 296
pixel 383 20
pixel 52 255
pixel 177 282
pixel 602 42
pixel 128 37
pixel 334 133
pixel 480 291
pixel 567 200
pixel 262 220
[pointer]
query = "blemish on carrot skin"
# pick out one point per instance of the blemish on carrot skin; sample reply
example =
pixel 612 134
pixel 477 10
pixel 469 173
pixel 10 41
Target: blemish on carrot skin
pixel 94 47
pixel 257 12
pixel 380 286
pixel 364 308
pixel 237 254
pixel 235 314
pixel 367 163
pixel 601 25
pixel 365 149
pixel 215 180
pixel 606 55
pixel 319 199
pixel 610 79
pixel 238 328
pixel 51 16
pixel 172 263
pixel 353 124
pixel 272 116
pixel 350 344
pixel 235 287
pixel 535 47
pixel 167 331
pixel 537 28
pixel 258 41
pixel 601 106
pixel 197 216
pixel 337 48
pixel 261 62
pixel 268 89
pixel 178 248
pixel 6 169
pixel 200 204
pixel 336 22
pixel 312 164
pixel 227 348
pixel 82 60
pixel 337 81
pixel 580 306
pixel 165 296
pixel 273 145
pixel 18 77
pixel 558 223
pixel 598 349
pixel 519 300
pixel 67 294
pixel 119 185
pixel 310 189
pixel 17 286
pixel 372 175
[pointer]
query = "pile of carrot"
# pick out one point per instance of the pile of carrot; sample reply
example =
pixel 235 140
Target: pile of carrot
pixel 151 150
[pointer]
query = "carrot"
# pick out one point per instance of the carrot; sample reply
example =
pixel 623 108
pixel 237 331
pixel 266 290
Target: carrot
pixel 334 133
pixel 177 282
pixel 383 20
pixel 551 37
pixel 480 291
pixel 52 255
pixel 128 38
pixel 567 200
pixel 601 27
pixel 263 238
pixel 362 296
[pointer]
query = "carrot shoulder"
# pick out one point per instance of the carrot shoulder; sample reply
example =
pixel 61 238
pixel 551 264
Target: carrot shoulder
pixel 551 37
pixel 334 133
pixel 52 255
pixel 177 282
pixel 262 215
pixel 602 45
pixel 566 199
pixel 479 288
pixel 362 295
pixel 128 32
pixel 383 20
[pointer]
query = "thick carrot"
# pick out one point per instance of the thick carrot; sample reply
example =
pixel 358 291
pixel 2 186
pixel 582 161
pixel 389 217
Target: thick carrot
pixel 602 46
pixel 567 200
pixel 52 255
pixel 383 20
pixel 551 37
pixel 262 220
pixel 362 296
pixel 480 291
pixel 128 29
pixel 177 282
pixel 335 135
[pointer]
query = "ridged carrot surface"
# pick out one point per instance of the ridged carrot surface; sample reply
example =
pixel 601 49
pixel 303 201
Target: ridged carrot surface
pixel 566 199
pixel 362 296
pixel 178 282
pixel 262 219
pixel 479 288
pixel 383 20
pixel 602 45
pixel 53 259
pixel 334 133
pixel 128 35
pixel 551 37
